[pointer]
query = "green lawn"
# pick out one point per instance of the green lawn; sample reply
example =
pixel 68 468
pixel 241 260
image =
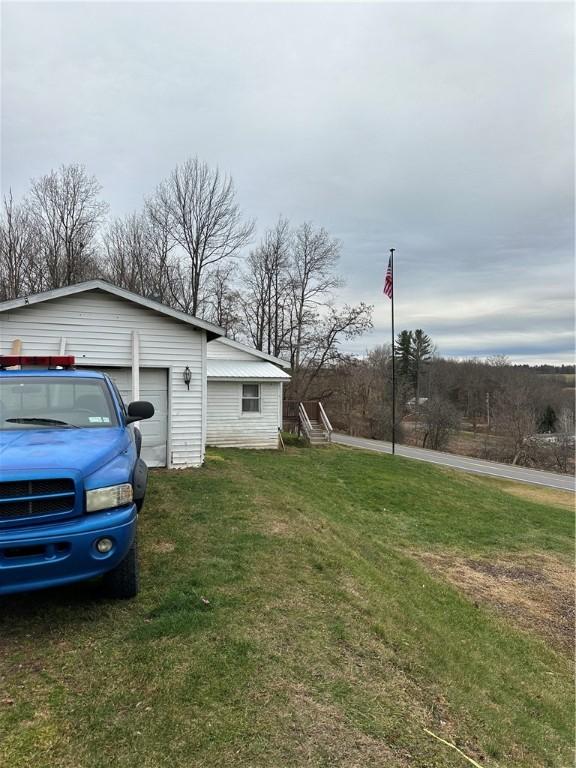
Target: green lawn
pixel 287 618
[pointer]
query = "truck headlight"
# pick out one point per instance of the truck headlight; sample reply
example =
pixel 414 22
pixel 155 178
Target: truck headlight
pixel 107 498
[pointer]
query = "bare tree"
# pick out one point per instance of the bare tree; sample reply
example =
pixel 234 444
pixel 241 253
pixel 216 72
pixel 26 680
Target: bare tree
pixel 205 222
pixel 138 255
pixel 277 246
pixel 314 256
pixel 255 297
pixel 357 393
pixel 67 212
pixel 498 361
pixel 322 340
pixel 474 391
pixel 160 244
pixel 565 425
pixel 18 247
pixel 224 305
pixel 266 282
pixel 438 418
pixel 564 442
pixel 128 261
pixel 515 415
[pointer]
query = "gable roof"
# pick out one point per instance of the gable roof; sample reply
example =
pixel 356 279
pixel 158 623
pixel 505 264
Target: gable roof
pixel 253 351
pixel 212 331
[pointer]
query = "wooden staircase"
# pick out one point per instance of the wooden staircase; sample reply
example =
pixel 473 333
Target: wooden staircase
pixel 310 418
pixel 318 435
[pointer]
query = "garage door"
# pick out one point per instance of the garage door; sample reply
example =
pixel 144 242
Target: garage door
pixel 153 387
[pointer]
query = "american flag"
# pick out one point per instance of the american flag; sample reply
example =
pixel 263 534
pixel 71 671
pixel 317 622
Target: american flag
pixel 388 287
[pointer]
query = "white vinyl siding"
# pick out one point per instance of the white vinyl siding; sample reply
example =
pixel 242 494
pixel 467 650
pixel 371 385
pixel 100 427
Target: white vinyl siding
pixel 228 426
pixel 218 350
pixel 96 327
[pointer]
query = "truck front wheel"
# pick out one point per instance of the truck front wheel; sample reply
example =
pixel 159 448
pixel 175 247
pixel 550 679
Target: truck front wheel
pixel 123 582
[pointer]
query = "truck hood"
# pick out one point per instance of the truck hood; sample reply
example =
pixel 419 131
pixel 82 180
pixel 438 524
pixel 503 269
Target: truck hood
pixel 83 450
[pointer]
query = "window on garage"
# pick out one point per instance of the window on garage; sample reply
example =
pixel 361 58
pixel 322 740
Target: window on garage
pixel 250 398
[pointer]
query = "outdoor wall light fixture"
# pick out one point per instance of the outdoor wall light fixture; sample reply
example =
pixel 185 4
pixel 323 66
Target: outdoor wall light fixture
pixel 187 377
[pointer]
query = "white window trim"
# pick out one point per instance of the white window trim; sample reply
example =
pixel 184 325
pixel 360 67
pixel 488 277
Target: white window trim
pixel 242 398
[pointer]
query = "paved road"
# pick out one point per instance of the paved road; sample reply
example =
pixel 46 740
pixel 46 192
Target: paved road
pixel 505 471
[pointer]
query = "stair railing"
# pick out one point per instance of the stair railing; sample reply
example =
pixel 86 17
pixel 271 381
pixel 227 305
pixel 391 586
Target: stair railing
pixel 325 421
pixel 304 420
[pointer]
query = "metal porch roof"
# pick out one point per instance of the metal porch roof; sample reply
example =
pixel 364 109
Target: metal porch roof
pixel 245 369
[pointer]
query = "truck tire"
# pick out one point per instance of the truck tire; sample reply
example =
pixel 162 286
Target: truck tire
pixel 123 582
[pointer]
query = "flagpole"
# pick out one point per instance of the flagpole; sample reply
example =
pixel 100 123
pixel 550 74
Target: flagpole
pixel 393 359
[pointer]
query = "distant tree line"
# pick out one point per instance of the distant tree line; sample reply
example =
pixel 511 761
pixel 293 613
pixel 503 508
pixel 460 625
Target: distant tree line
pixel 189 247
pixel 507 413
pixel 549 369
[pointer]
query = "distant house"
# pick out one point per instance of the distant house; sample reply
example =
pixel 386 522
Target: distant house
pixel 552 438
pixel 234 393
pixel 413 404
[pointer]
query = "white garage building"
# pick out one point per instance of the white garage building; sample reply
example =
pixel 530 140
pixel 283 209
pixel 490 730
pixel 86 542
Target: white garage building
pixel 234 393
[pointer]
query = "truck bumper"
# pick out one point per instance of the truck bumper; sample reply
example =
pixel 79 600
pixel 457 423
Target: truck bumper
pixel 63 553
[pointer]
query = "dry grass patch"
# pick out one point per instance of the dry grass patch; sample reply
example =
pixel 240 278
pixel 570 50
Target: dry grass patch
pixel 536 591
pixel 163 547
pixel 322 731
pixel 282 521
pixel 280 528
pixel 541 495
pixel 211 456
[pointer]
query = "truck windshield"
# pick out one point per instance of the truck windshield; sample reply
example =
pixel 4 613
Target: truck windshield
pixel 41 402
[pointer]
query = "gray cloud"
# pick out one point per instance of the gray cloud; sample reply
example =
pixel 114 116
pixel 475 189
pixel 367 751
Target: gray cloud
pixel 442 129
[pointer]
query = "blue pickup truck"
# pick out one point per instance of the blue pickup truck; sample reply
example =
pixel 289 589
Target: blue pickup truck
pixel 71 478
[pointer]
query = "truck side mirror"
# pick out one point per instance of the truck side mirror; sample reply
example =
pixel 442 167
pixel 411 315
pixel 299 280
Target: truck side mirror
pixel 138 410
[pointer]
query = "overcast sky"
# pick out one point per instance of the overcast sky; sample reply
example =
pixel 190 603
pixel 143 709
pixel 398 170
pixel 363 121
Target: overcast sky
pixel 442 129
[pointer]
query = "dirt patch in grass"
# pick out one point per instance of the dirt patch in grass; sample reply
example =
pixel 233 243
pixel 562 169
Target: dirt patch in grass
pixel 535 592
pixel 163 547
pixel 280 528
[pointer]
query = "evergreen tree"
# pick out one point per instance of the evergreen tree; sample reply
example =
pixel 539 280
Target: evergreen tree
pixel 421 352
pixel 413 349
pixel 402 356
pixel 403 353
pixel 547 422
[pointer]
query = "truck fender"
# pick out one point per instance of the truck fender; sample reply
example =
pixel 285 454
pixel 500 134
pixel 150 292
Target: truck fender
pixel 139 482
pixel 138 440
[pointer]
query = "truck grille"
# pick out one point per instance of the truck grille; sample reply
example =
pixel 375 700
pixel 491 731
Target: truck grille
pixel 31 498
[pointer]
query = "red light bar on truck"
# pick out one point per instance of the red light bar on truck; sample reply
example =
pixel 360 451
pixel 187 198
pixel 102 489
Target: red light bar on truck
pixel 58 361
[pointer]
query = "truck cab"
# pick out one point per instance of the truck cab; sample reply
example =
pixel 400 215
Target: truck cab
pixel 71 477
